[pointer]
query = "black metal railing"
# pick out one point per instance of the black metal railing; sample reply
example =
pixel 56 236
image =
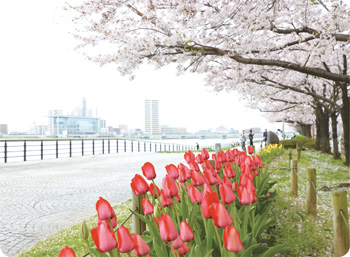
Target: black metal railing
pixel 39 149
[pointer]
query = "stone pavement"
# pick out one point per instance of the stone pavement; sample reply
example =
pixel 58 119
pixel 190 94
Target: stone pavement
pixel 38 198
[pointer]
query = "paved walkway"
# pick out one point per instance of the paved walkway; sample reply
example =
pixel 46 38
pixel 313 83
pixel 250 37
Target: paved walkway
pixel 38 198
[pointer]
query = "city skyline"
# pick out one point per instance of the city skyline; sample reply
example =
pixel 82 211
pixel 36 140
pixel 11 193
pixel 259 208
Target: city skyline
pixel 47 73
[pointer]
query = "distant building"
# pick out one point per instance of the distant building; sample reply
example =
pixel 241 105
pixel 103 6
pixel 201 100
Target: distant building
pixel 164 129
pixel 80 123
pixel 3 129
pixel 124 129
pixel 39 129
pixel 222 129
pixel 152 117
pixel 254 130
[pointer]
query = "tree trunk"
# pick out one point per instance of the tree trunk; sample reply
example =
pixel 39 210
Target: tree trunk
pixel 318 135
pixel 345 116
pixel 303 129
pixel 323 120
pixel 336 153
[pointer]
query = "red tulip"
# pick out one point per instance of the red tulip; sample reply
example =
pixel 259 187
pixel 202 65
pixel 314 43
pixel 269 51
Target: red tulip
pixel 182 176
pixel 183 249
pixel 227 181
pixel 195 195
pixel 230 155
pixel 194 165
pixel 250 149
pixel 147 206
pixel 207 188
pixel 234 186
pixel 165 200
pixel 250 185
pixel 199 158
pixel 209 178
pixel 177 243
pixel 139 185
pixel 197 178
pixel 220 182
pixel 148 171
pixel 205 154
pixel 189 156
pixel 104 237
pixel 172 171
pixel 186 232
pixel 169 187
pixel 154 190
pixel 186 169
pixel 232 241
pixel 66 252
pixel 104 209
pixel 209 199
pixel 222 156
pixel 141 248
pixel 243 179
pixel 226 193
pixel 244 195
pixel 220 215
pixel 167 228
pixel 126 244
pixel 218 165
pixel 229 170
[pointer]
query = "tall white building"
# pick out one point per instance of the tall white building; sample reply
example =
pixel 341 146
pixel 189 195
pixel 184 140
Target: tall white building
pixel 152 117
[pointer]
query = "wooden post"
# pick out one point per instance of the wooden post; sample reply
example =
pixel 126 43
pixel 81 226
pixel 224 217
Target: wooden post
pixel 298 152
pixel 138 226
pixel 311 192
pixel 290 158
pixel 294 178
pixel 340 226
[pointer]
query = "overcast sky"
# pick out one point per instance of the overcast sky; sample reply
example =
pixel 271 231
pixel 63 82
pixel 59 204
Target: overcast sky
pixel 41 71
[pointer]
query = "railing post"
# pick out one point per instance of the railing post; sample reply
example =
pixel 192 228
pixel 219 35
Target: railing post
pixel 117 146
pixel 41 149
pixel 25 150
pixel 93 146
pixel 144 146
pixel 109 146
pixel 311 191
pixel 70 148
pixel 103 146
pixel 56 149
pixel 340 223
pixel 294 178
pixel 138 226
pixel 150 147
pixel 138 145
pixel 290 158
pixel 155 147
pixel 298 152
pixel 124 145
pixel 160 146
pixel 5 151
pixel 132 146
pixel 173 148
pixel 82 147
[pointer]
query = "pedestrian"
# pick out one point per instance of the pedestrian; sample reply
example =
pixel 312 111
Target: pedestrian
pixel 243 139
pixel 197 146
pixel 265 136
pixel 251 136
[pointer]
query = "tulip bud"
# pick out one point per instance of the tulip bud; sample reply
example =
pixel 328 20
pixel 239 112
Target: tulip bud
pixel 157 212
pixel 84 231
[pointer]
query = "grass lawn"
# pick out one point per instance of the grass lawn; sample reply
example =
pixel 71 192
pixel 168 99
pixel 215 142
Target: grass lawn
pixel 307 236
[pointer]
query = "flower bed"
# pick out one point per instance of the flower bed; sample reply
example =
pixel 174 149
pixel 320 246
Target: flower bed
pixel 217 207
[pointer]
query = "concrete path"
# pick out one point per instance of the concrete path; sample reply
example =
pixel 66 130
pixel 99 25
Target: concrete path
pixel 38 198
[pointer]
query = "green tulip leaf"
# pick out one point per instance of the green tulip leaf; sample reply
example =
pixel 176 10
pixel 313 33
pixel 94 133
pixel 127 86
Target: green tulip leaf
pixel 276 249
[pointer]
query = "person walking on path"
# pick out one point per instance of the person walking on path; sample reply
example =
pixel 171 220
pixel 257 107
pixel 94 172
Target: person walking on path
pixel 265 136
pixel 251 136
pixel 243 139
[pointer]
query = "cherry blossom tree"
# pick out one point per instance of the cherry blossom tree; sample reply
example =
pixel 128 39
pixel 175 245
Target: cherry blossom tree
pixel 240 39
